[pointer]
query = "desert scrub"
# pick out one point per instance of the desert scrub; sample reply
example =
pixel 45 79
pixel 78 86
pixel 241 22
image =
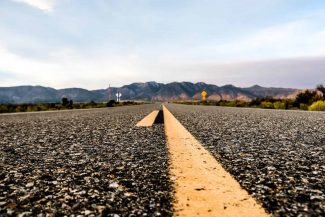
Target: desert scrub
pixel 279 105
pixel 303 106
pixel 267 105
pixel 317 106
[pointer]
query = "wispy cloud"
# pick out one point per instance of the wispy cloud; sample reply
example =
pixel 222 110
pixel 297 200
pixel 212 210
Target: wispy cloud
pixel 292 39
pixel 67 68
pixel 44 5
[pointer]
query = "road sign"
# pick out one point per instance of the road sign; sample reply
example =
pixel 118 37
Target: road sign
pixel 118 96
pixel 203 95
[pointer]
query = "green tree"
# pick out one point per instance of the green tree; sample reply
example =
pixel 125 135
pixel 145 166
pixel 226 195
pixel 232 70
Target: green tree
pixel 307 97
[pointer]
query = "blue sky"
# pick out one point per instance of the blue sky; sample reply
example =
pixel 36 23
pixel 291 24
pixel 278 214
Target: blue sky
pixel 90 44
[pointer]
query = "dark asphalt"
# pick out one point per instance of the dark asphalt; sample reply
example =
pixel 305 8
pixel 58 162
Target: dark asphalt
pixel 277 156
pixel 85 162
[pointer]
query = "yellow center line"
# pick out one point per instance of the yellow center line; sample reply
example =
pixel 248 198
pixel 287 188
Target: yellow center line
pixel 202 186
pixel 148 120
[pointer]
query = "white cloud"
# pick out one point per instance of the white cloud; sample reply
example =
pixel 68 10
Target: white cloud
pixel 66 68
pixel 293 39
pixel 44 5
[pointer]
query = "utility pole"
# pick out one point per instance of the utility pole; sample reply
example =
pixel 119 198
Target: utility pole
pixel 109 93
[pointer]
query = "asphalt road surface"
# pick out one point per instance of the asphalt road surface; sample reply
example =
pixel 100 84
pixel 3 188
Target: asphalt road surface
pixel 84 162
pixel 97 162
pixel 277 156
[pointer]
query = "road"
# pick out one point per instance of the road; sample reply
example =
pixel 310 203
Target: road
pixel 277 156
pixel 98 162
pixel 84 162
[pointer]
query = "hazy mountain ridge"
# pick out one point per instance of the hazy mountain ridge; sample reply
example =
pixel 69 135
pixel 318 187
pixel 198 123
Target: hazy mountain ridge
pixel 141 91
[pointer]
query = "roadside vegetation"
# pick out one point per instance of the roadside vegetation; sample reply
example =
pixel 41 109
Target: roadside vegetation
pixel 64 105
pixel 313 100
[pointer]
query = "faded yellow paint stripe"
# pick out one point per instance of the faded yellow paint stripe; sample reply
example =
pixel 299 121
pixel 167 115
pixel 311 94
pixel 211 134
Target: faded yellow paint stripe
pixel 202 186
pixel 148 120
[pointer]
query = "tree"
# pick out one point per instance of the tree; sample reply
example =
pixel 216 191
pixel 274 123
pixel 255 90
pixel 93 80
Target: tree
pixel 65 101
pixel 307 97
pixel 321 89
pixel 70 105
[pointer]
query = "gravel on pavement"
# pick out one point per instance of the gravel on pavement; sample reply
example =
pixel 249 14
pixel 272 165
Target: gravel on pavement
pixel 83 163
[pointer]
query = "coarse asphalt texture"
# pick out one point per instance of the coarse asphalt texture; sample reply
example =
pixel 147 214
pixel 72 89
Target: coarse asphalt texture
pixel 84 162
pixel 277 156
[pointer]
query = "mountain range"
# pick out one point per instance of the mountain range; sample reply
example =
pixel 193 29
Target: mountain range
pixel 151 91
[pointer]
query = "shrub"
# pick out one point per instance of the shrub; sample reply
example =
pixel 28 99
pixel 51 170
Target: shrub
pixel 76 106
pixel 303 106
pixel 30 108
pixel 231 104
pixel 111 103
pixel 279 105
pixel 3 108
pixel 317 106
pixel 21 108
pixel 241 103
pixel 288 103
pixel 222 103
pixel 267 105
pixel 255 102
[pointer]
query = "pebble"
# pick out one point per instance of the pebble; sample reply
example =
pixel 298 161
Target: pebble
pixel 30 184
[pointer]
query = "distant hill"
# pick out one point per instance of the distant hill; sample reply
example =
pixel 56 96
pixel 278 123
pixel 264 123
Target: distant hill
pixel 152 91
